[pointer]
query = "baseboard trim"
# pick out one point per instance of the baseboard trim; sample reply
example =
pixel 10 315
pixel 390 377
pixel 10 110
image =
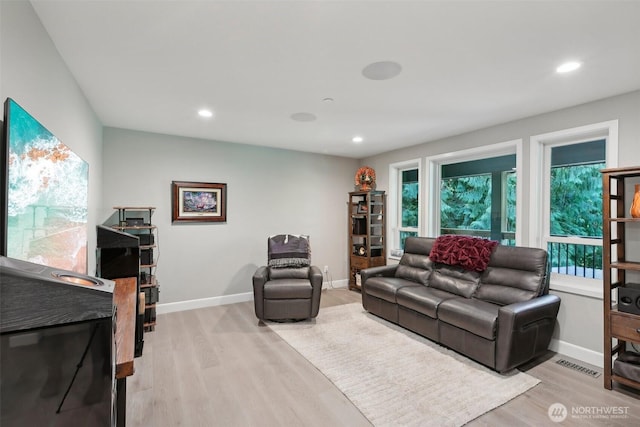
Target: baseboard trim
pixel 172 307
pixel 584 354
pixel 343 283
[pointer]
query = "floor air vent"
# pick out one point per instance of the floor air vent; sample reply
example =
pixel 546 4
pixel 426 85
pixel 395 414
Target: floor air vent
pixel 579 368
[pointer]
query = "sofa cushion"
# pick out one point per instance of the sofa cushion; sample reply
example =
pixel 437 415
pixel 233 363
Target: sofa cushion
pixel 419 245
pixel 514 274
pixel 386 287
pixel 288 289
pixel 472 315
pixel 455 280
pixel 422 299
pixel 288 273
pixel 414 267
pixel 471 253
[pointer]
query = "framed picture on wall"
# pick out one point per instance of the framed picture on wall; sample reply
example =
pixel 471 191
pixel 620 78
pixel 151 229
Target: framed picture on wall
pixel 198 202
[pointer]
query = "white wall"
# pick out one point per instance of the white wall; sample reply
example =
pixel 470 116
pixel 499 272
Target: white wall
pixel 580 327
pixel 269 191
pixel 34 75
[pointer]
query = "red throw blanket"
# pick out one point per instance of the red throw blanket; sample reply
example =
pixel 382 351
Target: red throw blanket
pixel 470 253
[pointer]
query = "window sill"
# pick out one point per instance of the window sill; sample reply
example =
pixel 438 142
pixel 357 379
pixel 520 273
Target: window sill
pixel 593 289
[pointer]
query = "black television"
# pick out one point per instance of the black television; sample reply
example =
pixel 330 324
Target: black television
pixel 44 190
pixel 57 347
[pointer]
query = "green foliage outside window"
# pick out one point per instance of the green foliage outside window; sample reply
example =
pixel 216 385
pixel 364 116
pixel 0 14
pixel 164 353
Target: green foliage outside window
pixel 465 203
pixel 410 204
pixel 510 224
pixel 576 201
pixel 576 210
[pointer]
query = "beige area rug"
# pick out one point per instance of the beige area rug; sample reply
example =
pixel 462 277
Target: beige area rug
pixel 396 377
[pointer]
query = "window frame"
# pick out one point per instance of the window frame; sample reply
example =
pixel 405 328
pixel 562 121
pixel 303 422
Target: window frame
pixel 540 182
pixel 394 203
pixel 435 163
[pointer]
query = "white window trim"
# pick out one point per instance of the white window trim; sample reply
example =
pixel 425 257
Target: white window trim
pixel 540 147
pixel 393 202
pixel 435 163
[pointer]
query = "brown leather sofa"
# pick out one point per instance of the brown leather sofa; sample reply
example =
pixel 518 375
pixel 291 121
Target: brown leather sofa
pixel 287 293
pixel 501 317
pixel 288 287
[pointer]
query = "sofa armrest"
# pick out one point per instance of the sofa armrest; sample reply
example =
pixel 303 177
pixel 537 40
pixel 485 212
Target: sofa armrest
pixel 367 273
pixel 383 270
pixel 260 277
pixel 315 277
pixel 525 330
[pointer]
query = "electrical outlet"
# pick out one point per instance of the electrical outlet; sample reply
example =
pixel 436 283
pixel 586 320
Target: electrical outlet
pixel 326 268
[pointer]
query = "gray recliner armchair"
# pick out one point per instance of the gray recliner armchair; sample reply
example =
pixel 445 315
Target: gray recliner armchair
pixel 289 287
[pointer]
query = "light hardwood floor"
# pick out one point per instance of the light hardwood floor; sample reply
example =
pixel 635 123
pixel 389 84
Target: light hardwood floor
pixel 219 366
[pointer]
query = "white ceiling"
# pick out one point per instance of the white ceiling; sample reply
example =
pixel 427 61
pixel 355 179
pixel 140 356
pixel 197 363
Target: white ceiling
pixel 151 65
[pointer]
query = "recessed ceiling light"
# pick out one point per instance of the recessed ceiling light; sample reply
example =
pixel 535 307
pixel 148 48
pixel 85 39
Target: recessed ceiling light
pixel 357 139
pixel 303 117
pixel 568 67
pixel 382 70
pixel 205 113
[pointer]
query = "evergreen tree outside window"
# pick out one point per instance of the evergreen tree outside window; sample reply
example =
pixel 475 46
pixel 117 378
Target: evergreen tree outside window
pixel 409 213
pixel 575 209
pixel 478 198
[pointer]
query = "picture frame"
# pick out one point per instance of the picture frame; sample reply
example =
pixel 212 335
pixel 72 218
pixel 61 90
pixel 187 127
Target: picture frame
pixel 198 201
pixel 362 207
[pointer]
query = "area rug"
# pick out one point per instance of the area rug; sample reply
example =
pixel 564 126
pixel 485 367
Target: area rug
pixel 395 377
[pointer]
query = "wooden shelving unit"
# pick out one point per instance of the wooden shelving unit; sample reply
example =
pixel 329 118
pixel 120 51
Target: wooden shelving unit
pixel 366 221
pixel 619 327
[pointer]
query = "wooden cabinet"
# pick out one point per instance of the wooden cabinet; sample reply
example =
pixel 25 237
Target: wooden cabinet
pixel 137 220
pixel 366 241
pixel 620 326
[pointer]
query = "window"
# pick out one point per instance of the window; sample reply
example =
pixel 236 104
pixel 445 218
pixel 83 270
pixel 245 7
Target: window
pixel 477 198
pixel 574 238
pixel 474 192
pixel 567 196
pixel 410 190
pixel 404 203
